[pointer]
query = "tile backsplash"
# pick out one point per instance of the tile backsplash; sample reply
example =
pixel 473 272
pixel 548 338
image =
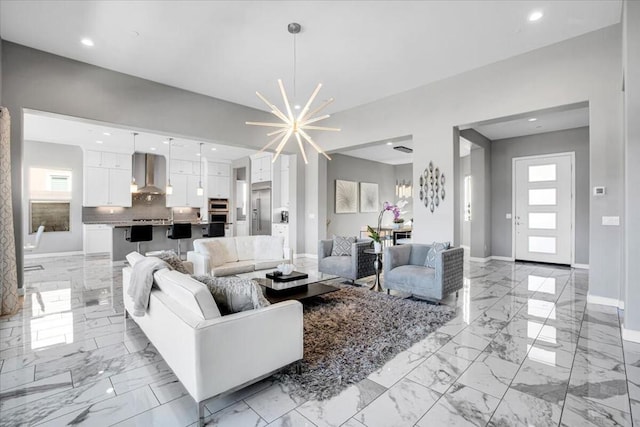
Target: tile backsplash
pixel 144 206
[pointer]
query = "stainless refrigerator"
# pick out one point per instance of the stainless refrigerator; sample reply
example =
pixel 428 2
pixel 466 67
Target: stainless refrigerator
pixel 261 208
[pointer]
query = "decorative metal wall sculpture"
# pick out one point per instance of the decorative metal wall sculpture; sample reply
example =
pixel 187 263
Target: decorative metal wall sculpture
pixel 432 187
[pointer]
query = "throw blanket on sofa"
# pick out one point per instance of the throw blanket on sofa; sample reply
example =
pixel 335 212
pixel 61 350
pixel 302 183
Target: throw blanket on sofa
pixel 141 282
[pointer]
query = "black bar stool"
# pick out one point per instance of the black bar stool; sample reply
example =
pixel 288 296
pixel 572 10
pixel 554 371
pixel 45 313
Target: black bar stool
pixel 139 233
pixel 213 229
pixel 179 230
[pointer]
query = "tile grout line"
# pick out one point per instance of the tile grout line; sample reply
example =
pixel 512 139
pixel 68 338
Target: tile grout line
pixel 575 353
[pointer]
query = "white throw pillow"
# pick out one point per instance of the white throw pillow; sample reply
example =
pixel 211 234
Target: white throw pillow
pixel 268 247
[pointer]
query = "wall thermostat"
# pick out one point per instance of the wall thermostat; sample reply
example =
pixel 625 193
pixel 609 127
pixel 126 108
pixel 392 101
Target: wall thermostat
pixel 599 191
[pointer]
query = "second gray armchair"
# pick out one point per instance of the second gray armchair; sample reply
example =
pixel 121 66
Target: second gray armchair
pixel 352 267
pixel 405 271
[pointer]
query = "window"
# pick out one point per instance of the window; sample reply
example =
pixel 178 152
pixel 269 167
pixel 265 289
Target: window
pixel 50 199
pixel 542 173
pixel 542 197
pixel 542 220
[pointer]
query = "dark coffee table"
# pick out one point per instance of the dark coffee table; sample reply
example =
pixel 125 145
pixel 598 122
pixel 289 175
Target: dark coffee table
pixel 301 289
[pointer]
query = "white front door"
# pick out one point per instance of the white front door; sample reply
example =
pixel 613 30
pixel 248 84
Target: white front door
pixel 543 220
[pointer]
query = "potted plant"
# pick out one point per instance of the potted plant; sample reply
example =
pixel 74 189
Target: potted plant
pixel 398 222
pixel 375 236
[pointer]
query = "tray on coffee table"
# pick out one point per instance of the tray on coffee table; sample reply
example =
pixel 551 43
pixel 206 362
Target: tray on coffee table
pixel 301 289
pixel 295 275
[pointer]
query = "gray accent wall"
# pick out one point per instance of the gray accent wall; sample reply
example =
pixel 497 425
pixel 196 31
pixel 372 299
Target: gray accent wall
pixel 55 156
pixel 504 150
pixel 349 168
pixel 631 52
pixel 42 81
pixel 584 68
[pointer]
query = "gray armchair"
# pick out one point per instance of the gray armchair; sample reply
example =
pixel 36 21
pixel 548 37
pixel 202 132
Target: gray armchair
pixel 405 271
pixel 352 267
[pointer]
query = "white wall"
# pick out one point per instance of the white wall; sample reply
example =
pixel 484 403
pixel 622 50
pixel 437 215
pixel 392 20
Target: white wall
pixel 586 68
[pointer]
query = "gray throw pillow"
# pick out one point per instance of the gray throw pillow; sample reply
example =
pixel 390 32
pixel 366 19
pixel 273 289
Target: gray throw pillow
pixel 173 260
pixel 432 255
pixel 342 245
pixel 233 294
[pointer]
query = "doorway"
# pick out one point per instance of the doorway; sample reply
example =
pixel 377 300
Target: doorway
pixel 544 206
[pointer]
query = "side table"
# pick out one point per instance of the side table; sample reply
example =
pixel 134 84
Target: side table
pixel 377 265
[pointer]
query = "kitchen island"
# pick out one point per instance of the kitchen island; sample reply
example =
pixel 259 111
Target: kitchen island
pixel 121 247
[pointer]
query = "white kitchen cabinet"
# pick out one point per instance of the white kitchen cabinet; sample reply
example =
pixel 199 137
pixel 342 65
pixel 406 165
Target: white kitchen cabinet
pixel 261 168
pixel 281 230
pixel 179 196
pixel 184 191
pixel 97 238
pixel 119 187
pixel 96 186
pixel 106 187
pixel 107 177
pixel 193 200
pixel 185 167
pixel 218 169
pixel 218 187
pixel 105 159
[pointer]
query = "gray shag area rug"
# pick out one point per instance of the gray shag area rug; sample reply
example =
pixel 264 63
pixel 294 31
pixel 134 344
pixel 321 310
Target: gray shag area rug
pixel 351 333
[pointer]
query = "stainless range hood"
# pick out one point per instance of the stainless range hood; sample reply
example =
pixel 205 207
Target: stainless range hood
pixel 149 175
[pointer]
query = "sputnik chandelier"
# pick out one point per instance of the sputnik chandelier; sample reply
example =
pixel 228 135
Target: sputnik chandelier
pixel 294 125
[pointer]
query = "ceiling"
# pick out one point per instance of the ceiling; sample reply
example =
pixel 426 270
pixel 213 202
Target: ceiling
pixel 361 50
pixel 58 129
pixel 383 152
pixel 545 121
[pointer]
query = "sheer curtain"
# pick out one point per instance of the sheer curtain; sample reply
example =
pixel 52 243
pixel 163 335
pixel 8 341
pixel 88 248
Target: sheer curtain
pixel 8 274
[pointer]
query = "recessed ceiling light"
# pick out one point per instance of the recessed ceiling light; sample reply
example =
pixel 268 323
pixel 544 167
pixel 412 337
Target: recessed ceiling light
pixel 98 142
pixel 106 133
pixel 198 154
pixel 535 16
pixel 296 107
pixel 389 143
pixel 87 42
pixel 153 148
pixel 213 149
pixel 166 141
pixel 532 119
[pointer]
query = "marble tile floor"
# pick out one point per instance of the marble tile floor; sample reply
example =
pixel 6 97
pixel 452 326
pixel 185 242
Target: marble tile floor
pixel 525 348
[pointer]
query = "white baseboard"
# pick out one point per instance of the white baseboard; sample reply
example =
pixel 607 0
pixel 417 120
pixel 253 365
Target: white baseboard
pixel 476 259
pixel 502 258
pixel 52 255
pixel 313 256
pixel 611 302
pixel 630 334
pixel 581 266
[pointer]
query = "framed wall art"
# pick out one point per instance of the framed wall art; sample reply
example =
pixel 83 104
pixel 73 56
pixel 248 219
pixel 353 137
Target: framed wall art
pixel 369 197
pixel 346 196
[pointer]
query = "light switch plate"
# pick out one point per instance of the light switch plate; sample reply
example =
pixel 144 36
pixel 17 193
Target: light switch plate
pixel 610 220
pixel 599 191
pixel 508 216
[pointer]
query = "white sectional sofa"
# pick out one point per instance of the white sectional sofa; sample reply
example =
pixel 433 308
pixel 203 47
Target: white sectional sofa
pixel 225 256
pixel 209 353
